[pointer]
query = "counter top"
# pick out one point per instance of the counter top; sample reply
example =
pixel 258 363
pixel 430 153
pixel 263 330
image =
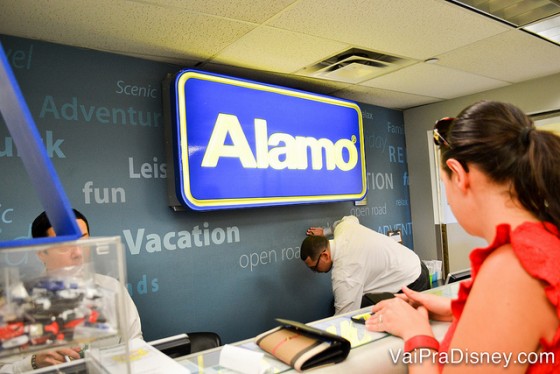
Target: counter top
pixel 371 351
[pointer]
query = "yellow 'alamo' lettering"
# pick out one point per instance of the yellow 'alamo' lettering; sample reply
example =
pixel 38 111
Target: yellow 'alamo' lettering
pixel 278 151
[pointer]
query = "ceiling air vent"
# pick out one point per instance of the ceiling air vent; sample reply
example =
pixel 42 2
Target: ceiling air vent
pixel 354 66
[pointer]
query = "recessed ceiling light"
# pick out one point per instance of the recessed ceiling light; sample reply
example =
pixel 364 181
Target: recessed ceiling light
pixel 548 29
pixel 538 17
pixel 515 12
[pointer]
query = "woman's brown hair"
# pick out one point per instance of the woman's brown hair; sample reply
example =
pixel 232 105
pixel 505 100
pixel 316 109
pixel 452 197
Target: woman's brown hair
pixel 503 142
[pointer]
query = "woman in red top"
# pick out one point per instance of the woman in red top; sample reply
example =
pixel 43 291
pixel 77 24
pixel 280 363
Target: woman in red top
pixel 502 181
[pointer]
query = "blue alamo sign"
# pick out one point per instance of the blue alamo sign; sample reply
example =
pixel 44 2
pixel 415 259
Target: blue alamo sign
pixel 237 143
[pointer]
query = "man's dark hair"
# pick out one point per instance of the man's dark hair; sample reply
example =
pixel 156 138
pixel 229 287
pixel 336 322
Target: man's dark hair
pixel 312 246
pixel 41 224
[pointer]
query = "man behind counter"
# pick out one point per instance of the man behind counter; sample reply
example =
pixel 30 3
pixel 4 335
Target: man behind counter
pixel 363 261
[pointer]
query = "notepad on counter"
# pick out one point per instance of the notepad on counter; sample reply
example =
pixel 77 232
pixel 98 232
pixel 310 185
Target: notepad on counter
pixel 142 358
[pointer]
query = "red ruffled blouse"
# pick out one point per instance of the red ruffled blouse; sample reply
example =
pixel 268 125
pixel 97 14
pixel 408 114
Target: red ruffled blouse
pixel 537 246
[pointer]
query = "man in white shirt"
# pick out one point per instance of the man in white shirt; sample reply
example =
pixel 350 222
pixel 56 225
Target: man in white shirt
pixel 68 257
pixel 363 261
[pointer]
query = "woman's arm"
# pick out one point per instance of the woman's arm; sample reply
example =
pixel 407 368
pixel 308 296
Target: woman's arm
pixel 506 315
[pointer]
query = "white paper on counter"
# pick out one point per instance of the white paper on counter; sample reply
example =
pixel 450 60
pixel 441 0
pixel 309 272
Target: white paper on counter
pixel 243 360
pixel 143 359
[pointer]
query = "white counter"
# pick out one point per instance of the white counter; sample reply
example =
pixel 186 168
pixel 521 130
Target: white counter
pixel 370 353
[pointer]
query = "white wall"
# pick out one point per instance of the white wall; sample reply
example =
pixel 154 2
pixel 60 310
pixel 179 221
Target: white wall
pixel 535 96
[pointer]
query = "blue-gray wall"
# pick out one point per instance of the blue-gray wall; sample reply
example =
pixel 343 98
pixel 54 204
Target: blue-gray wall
pixel 100 116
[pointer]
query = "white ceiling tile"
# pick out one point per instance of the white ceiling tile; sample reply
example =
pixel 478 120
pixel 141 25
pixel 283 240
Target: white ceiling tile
pixel 319 86
pixel 433 80
pixel 409 28
pixel 269 40
pixel 514 56
pixel 257 11
pixel 185 33
pixel 268 48
pixel 384 98
pixel 128 27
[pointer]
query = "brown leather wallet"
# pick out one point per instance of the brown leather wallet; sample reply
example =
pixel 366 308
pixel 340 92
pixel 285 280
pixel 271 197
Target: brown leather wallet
pixel 302 346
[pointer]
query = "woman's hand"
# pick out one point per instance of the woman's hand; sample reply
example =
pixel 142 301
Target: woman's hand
pixel 315 231
pixel 57 357
pixel 439 308
pixel 398 317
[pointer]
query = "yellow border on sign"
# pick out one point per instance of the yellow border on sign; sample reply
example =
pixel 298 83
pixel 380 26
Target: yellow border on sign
pixel 184 157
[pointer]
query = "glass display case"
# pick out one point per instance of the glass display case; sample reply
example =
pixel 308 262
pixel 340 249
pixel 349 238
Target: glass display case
pixel 62 294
